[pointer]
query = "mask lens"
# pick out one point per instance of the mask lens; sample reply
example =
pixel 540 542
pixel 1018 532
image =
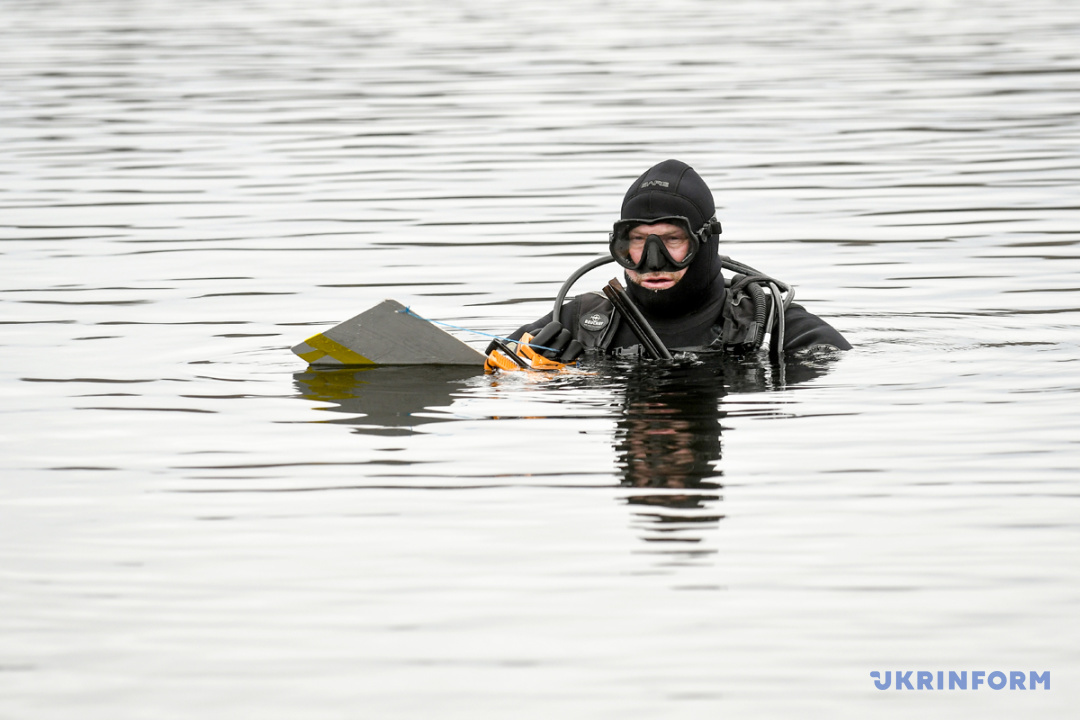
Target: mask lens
pixel 621 243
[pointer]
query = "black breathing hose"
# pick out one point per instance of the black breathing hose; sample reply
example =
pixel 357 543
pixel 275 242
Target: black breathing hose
pixel 574 277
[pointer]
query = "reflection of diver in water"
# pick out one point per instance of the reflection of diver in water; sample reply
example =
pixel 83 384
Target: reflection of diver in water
pixel 387 400
pixel 668 439
pixel 669 435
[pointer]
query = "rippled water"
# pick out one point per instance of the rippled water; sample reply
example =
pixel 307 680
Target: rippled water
pixel 196 525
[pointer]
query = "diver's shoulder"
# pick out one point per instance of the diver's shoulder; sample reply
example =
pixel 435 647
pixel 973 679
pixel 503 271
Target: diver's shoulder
pixel 803 329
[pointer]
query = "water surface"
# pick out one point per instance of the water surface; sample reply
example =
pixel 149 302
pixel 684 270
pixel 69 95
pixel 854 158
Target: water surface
pixel 195 523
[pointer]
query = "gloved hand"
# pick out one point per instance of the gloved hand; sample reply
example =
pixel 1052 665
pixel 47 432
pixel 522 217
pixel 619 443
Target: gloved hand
pixel 556 343
pixel 552 348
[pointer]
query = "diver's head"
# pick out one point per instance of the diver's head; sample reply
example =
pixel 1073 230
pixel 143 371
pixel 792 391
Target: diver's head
pixel 667 239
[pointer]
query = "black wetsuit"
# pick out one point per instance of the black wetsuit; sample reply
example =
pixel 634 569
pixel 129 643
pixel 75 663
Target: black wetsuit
pixel 696 330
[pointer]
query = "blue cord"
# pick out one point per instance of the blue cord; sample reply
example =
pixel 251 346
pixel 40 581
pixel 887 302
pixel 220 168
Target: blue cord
pixel 408 311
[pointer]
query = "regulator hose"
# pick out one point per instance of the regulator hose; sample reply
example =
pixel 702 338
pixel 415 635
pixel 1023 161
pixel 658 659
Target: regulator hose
pixel 574 277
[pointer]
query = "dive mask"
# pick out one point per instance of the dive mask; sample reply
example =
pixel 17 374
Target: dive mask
pixel 656 252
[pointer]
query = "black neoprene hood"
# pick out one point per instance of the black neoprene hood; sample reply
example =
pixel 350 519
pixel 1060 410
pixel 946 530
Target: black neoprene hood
pixel 673 188
pixel 669 188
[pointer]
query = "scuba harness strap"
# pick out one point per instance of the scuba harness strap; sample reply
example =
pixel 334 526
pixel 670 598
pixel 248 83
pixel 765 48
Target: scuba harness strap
pixel 594 321
pixel 755 305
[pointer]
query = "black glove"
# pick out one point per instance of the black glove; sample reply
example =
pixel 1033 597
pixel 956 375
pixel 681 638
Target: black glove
pixel 556 343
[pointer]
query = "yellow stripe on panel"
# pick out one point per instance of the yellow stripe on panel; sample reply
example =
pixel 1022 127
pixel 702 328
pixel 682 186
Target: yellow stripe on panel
pixel 337 351
pixel 311 355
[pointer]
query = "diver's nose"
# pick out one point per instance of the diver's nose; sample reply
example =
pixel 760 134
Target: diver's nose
pixel 654 258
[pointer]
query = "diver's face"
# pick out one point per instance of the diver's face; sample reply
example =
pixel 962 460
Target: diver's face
pixel 677 245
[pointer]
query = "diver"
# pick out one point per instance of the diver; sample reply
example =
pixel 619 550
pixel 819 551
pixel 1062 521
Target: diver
pixel 676 297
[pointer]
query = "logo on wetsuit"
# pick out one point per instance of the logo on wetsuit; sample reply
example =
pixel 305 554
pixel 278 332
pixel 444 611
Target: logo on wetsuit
pixel 595 321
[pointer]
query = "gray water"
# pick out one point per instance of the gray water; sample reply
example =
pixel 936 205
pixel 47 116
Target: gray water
pixel 194 525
